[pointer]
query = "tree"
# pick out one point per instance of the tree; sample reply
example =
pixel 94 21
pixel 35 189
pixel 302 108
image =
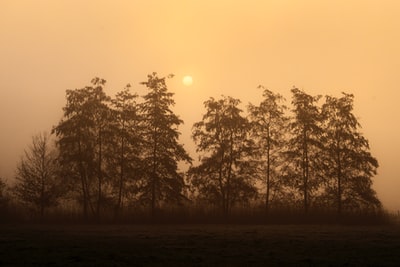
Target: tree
pixel 268 124
pixel 225 175
pixel 4 198
pixel 161 149
pixel 83 134
pixel 38 183
pixel 304 145
pixel 348 164
pixel 125 163
pixel 101 118
pixel 2 189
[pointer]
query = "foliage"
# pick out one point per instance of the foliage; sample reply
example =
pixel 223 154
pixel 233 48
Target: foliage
pixel 223 176
pixel 161 150
pixel 124 162
pixel 121 156
pixel 304 146
pixel 82 135
pixel 268 122
pixel 348 164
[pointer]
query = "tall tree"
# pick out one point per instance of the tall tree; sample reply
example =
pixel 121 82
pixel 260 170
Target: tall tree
pixel 38 183
pixel 224 175
pixel 269 123
pixel 349 165
pixel 81 140
pixel 304 144
pixel 101 117
pixel 161 150
pixel 127 143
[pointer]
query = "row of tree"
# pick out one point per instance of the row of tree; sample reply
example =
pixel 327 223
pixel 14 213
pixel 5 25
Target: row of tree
pixel 114 153
pixel 316 157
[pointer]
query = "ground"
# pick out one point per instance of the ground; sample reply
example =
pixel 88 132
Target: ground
pixel 199 245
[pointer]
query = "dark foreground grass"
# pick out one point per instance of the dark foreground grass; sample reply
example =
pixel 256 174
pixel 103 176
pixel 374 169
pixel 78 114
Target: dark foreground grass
pixel 199 245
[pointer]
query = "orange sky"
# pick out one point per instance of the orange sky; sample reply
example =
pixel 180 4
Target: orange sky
pixel 229 47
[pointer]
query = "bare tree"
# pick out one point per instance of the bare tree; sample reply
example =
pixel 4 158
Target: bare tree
pixel 37 181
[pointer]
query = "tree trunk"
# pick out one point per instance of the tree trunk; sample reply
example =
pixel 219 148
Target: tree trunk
pixel 221 185
pixel 228 191
pixel 100 178
pixel 305 171
pixel 268 173
pixel 154 176
pixel 43 180
pixel 83 178
pixel 42 200
pixel 339 179
pixel 85 198
pixel 121 178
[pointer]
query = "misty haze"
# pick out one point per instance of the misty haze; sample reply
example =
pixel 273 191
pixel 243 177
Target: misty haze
pixel 213 133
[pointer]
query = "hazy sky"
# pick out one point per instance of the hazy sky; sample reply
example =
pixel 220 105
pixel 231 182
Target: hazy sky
pixel 229 47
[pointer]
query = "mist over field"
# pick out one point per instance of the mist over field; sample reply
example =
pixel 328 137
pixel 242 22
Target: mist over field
pixel 322 48
pixel 208 133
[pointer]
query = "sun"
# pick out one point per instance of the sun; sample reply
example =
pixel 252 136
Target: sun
pixel 187 80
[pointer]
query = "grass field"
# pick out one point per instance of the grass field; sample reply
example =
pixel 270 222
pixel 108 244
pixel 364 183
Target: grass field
pixel 199 245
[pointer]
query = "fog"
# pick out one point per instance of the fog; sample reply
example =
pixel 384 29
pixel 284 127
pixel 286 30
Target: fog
pixel 227 47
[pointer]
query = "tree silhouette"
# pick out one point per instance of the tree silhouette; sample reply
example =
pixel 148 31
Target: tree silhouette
pixel 124 152
pixel 101 117
pixel 38 183
pixel 125 159
pixel 224 176
pixel 349 165
pixel 4 196
pixel 82 135
pixel 304 145
pixel 161 149
pixel 268 124
pixel 2 188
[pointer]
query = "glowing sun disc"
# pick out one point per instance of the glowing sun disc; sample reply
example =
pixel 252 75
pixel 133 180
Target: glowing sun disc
pixel 187 80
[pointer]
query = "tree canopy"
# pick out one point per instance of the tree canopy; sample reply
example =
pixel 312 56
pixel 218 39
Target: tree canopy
pixel 122 154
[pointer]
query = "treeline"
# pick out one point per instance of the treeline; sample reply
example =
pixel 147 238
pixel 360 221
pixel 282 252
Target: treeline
pixel 119 156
